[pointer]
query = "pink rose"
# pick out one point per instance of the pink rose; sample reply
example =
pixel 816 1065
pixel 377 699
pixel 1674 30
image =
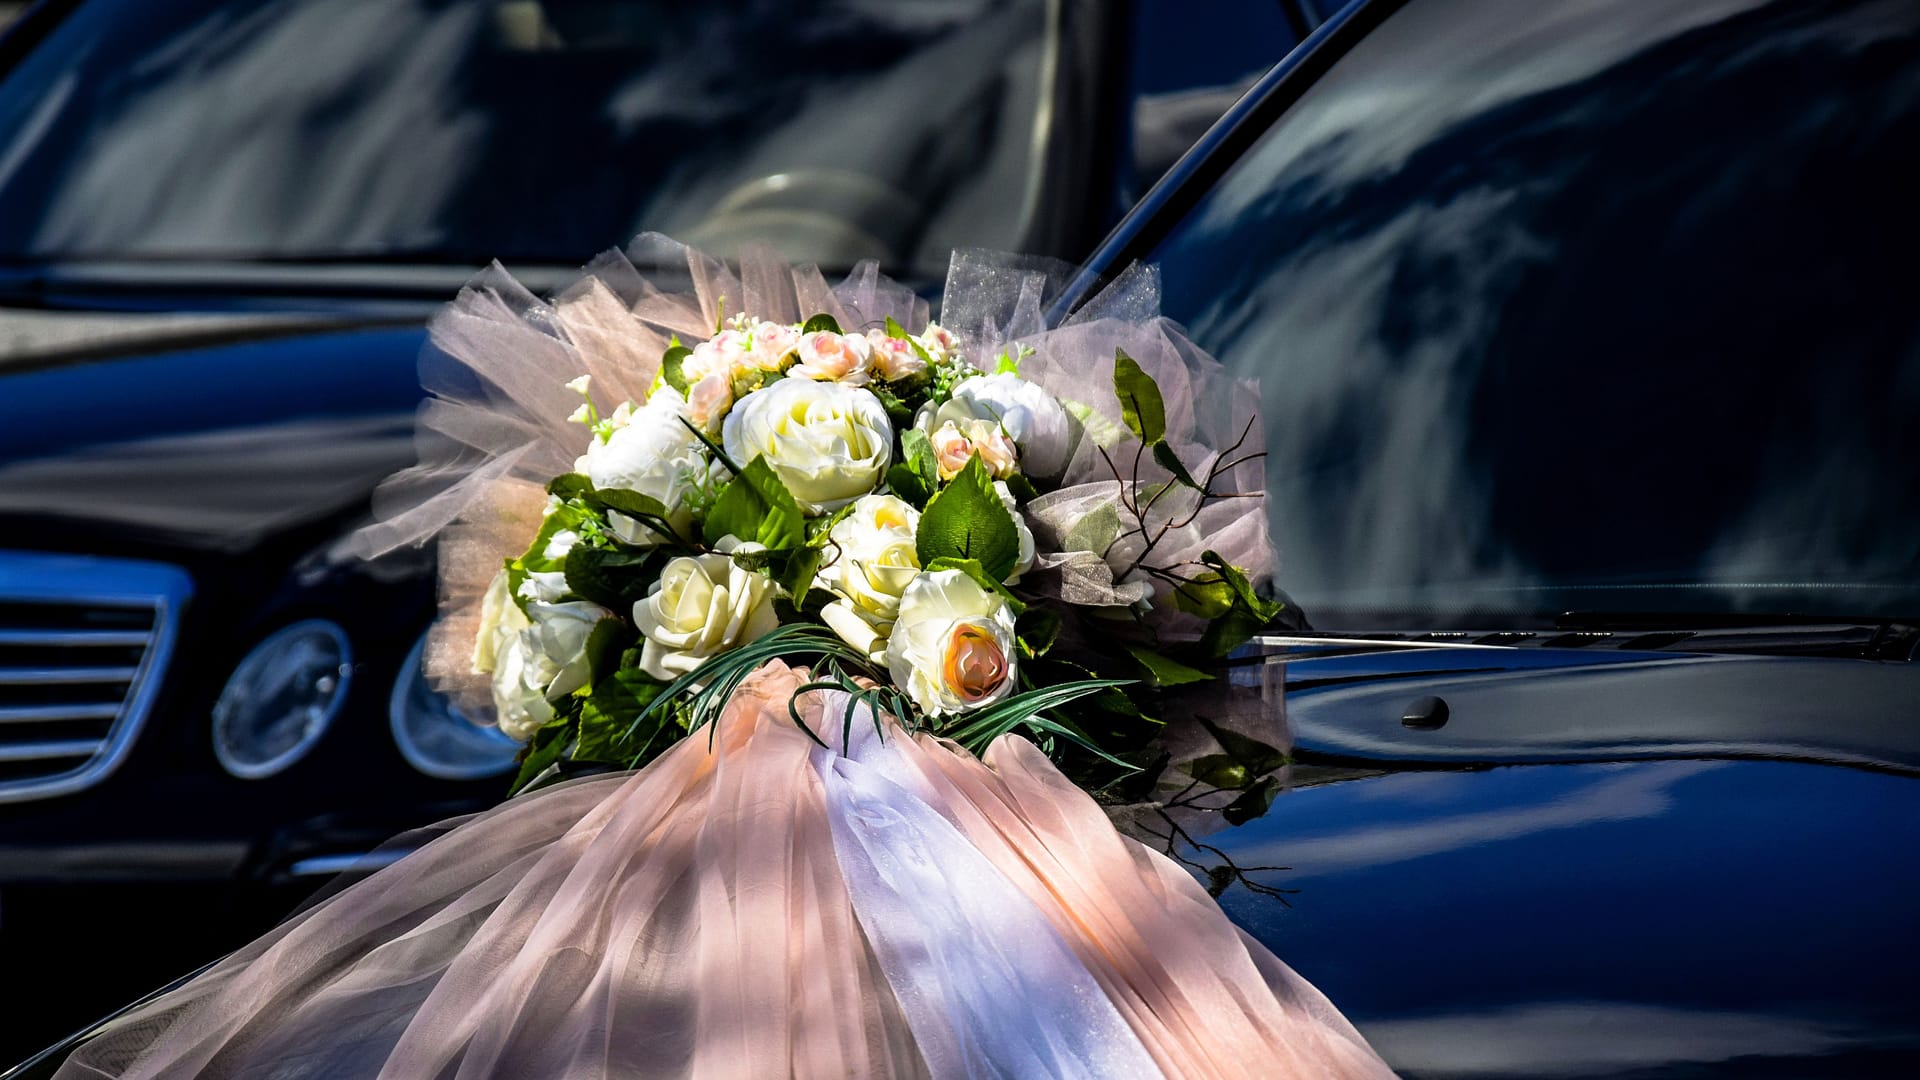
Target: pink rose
pixel 951 450
pixel 708 401
pixel 894 358
pixel 829 357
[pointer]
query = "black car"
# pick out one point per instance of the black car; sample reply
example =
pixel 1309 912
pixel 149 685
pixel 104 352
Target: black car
pixel 223 224
pixel 1590 369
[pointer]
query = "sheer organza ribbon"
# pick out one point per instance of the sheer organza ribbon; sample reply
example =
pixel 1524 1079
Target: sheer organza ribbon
pixel 986 984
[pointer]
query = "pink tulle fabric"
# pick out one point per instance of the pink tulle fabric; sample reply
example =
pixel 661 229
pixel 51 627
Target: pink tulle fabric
pixel 691 920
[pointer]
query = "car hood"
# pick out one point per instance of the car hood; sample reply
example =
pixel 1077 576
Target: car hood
pixel 203 434
pixel 1694 918
pixel 1599 862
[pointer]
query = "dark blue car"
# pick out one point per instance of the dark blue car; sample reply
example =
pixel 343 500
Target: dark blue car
pixel 223 224
pixel 1591 367
pixel 1590 364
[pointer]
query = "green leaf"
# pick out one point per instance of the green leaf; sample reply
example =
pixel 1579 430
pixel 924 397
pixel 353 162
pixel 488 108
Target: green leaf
pixel 670 365
pixel 1219 770
pixel 1246 616
pixel 1170 461
pixel 1242 757
pixel 569 485
pixel 756 506
pixel 1162 671
pixel 1023 490
pixel 822 321
pixel 895 330
pixel 1252 803
pixel 1095 531
pixel 607 642
pixel 1037 630
pixel 795 570
pixel 973 569
pixel 1141 406
pixel 607 731
pixel 898 411
pixel 631 503
pixel 1206 595
pixel 612 578
pixel 543 750
pixel 916 476
pixel 966 520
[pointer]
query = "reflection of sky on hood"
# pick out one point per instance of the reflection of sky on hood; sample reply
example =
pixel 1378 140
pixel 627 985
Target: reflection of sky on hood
pixel 1585 294
pixel 1673 904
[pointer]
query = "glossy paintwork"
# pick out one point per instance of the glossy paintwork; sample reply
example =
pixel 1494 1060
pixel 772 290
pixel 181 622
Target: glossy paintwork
pixel 1672 918
pixel 216 447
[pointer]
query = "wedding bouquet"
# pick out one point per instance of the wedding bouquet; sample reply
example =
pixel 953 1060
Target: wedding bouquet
pixel 902 508
pixel 902 577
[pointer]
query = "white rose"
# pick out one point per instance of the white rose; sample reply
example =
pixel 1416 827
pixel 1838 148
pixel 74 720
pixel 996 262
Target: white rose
pixel 551 585
pixel 938 341
pixel 540 661
pixel 873 562
pixel 1033 418
pixel 702 606
pixel 831 357
pixel 1024 562
pixel 829 443
pixel 654 455
pixel 497 612
pixel 952 646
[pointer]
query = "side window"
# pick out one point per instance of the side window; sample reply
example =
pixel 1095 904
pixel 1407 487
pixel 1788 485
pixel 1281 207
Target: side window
pixel 1584 306
pixel 1193 58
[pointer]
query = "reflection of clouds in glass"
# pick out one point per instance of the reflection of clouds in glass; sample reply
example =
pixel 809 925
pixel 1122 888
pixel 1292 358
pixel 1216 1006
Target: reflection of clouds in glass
pixel 1824 513
pixel 1452 62
pixel 944 168
pixel 1630 793
pixel 1597 1039
pixel 236 122
pixel 39 120
pixel 1415 506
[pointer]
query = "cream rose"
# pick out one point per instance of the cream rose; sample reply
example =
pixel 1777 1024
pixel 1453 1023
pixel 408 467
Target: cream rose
pixel 702 606
pixel 1024 562
pixel 654 455
pixel 538 658
pixel 828 442
pixel 831 357
pixel 952 646
pixel 873 560
pixel 1031 417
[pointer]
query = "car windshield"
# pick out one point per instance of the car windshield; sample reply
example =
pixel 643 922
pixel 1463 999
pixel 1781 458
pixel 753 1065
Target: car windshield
pixel 1583 306
pixel 454 131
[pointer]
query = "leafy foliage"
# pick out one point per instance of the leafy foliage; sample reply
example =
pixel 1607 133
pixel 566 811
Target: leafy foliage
pixel 966 520
pixel 916 475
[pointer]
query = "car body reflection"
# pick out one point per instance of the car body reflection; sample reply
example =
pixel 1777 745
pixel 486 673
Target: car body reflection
pixel 1594 920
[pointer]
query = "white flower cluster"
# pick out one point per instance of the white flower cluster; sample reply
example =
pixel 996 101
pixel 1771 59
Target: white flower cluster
pixel 809 404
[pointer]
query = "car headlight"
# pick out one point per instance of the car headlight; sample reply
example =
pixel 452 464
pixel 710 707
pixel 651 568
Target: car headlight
pixel 435 737
pixel 281 698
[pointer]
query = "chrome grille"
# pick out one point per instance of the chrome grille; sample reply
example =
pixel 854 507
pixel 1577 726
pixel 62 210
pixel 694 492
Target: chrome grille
pixel 84 642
